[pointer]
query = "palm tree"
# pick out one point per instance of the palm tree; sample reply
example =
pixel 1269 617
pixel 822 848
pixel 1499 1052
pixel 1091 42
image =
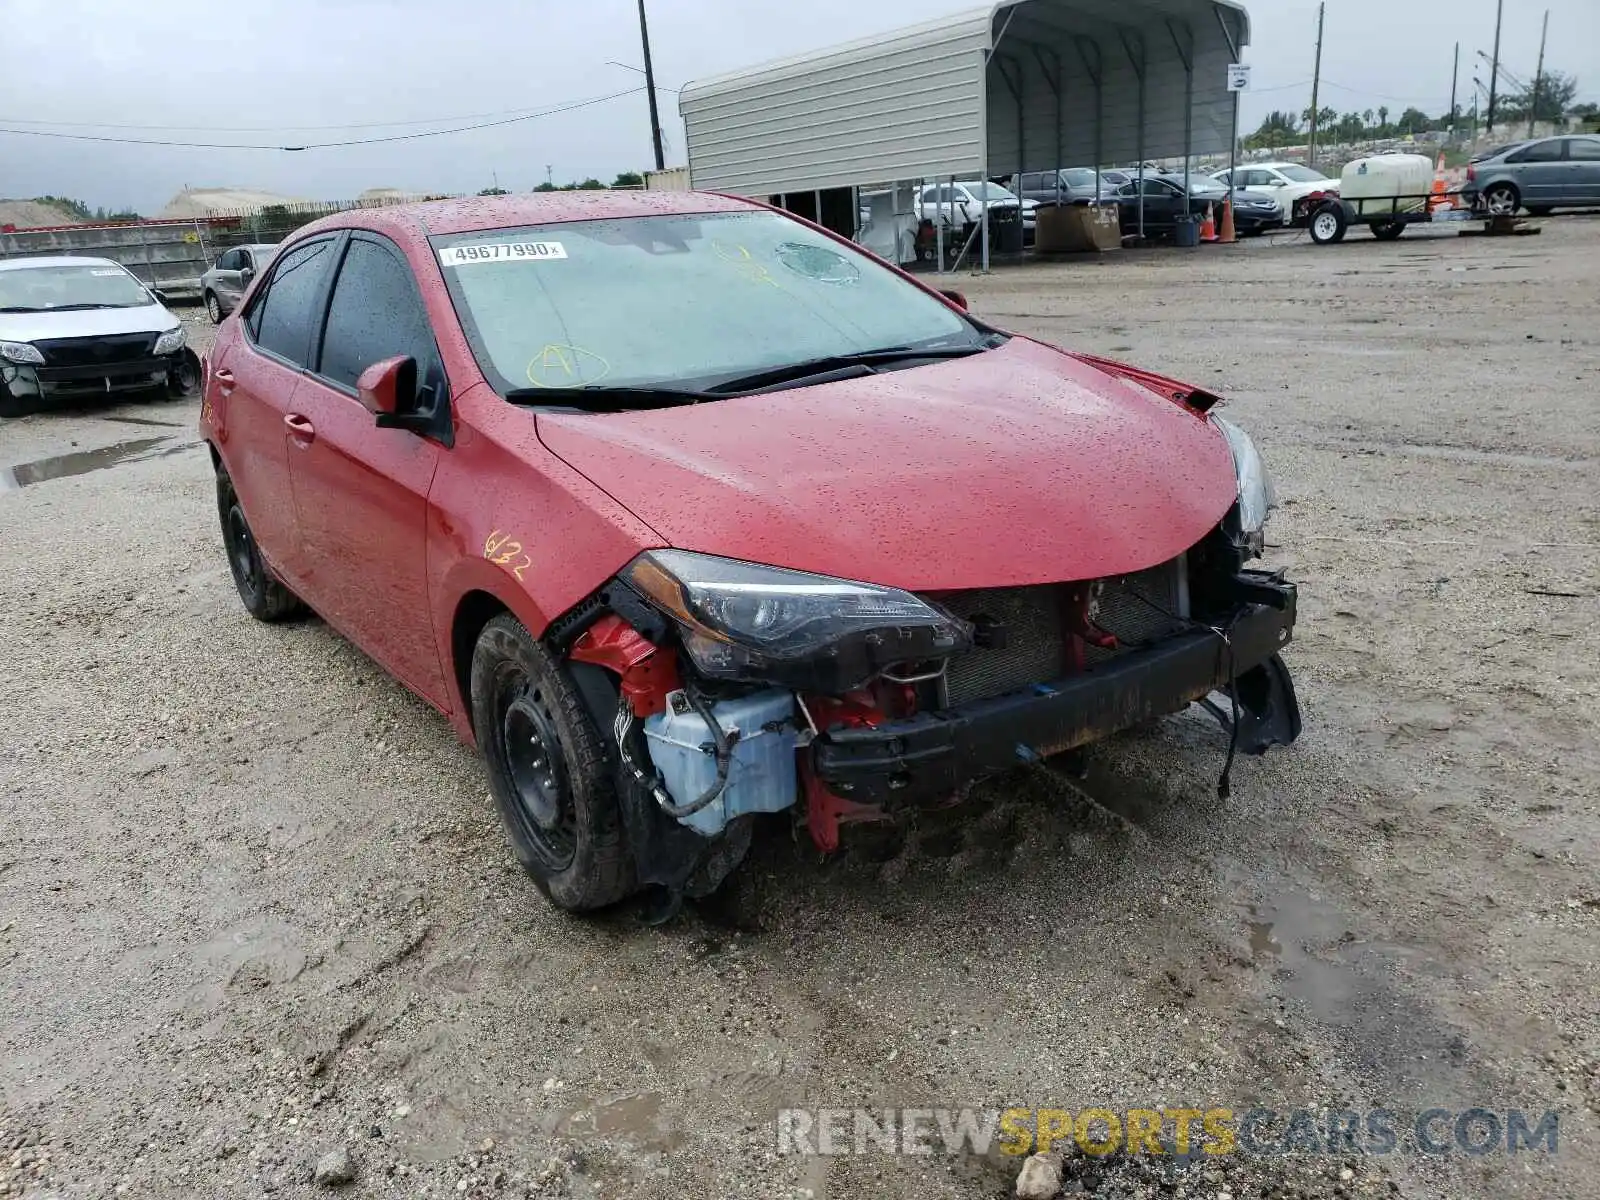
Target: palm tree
pixel 1383 118
pixel 1366 120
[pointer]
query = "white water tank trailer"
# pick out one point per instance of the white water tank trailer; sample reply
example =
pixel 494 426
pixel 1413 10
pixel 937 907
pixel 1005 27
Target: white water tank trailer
pixel 1387 183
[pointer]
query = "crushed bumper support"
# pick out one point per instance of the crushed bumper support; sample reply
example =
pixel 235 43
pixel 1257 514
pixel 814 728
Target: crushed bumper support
pixel 932 754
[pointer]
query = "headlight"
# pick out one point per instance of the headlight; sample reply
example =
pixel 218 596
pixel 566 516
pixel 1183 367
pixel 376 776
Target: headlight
pixel 21 352
pixel 763 624
pixel 170 341
pixel 1256 497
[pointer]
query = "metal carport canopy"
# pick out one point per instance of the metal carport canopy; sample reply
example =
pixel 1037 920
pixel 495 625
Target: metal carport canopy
pixel 1023 85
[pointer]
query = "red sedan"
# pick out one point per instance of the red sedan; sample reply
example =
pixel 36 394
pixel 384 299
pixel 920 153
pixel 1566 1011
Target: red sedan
pixel 683 510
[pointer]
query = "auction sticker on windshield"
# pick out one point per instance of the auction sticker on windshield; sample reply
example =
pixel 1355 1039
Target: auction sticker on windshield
pixel 461 256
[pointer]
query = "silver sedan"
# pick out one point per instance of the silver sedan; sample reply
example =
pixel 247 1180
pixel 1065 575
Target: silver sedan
pixel 224 284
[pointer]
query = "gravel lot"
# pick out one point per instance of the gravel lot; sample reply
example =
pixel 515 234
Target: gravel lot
pixel 255 905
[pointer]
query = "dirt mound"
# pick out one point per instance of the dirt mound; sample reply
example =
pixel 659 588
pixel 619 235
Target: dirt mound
pixel 32 214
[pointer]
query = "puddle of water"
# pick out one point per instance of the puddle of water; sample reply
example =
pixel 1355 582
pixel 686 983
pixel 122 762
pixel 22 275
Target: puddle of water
pixel 637 1119
pixel 81 462
pixel 1262 944
pixel 1350 985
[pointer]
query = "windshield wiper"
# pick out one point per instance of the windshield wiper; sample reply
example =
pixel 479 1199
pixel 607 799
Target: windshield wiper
pixel 17 308
pixel 606 399
pixel 843 365
pixel 84 307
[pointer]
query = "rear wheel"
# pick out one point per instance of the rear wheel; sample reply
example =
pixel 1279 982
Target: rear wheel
pixel 213 308
pixel 548 770
pixel 1387 231
pixel 1502 200
pixel 264 597
pixel 1327 225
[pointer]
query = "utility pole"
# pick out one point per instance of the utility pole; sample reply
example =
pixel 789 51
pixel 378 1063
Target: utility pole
pixel 1494 63
pixel 1316 78
pixel 1538 74
pixel 1455 68
pixel 650 87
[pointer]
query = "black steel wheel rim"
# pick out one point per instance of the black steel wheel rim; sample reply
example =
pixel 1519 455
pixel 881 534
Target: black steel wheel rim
pixel 242 555
pixel 536 765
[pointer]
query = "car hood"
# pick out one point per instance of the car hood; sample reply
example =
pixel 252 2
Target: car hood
pixel 86 322
pixel 1020 465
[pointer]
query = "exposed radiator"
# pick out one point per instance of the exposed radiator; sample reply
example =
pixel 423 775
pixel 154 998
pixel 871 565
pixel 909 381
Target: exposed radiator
pixel 1037 645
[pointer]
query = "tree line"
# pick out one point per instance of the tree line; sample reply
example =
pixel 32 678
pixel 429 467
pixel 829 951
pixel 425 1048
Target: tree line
pixel 1553 102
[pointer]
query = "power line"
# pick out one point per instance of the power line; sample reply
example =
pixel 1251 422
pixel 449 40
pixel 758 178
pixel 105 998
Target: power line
pixel 505 112
pixel 396 137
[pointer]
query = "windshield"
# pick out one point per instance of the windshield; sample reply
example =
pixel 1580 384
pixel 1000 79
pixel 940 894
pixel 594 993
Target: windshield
pixel 989 191
pixel 39 289
pixel 677 301
pixel 1301 174
pixel 1199 183
pixel 1078 177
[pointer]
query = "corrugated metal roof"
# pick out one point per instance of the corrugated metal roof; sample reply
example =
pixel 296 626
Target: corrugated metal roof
pixel 921 102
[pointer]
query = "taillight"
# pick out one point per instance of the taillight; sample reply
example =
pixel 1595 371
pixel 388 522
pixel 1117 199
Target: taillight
pixel 1472 172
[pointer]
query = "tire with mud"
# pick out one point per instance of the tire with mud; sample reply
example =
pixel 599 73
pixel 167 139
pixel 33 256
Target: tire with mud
pixel 548 770
pixel 264 596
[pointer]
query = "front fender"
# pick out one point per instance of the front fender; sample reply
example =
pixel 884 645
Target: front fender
pixel 511 521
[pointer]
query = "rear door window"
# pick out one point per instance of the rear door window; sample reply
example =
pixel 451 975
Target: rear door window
pixel 1584 150
pixel 284 313
pixel 376 313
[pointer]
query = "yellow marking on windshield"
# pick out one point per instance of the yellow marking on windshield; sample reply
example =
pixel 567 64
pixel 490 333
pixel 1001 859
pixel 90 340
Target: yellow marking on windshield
pixel 745 262
pixel 560 365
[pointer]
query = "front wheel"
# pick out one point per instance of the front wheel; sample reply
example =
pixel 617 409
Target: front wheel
pixel 548 770
pixel 1327 225
pixel 1387 231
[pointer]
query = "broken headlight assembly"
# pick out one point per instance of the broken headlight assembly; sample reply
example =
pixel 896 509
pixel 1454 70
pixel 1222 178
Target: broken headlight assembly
pixel 743 622
pixel 1247 522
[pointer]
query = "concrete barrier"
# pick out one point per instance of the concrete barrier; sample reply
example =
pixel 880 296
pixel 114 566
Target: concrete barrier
pixel 170 255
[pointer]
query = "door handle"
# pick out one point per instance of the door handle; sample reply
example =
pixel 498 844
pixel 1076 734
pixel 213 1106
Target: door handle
pixel 299 428
pixel 224 378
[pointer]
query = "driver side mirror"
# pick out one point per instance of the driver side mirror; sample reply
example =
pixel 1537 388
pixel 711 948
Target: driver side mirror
pixel 159 296
pixel 955 298
pixel 388 388
pixel 246 274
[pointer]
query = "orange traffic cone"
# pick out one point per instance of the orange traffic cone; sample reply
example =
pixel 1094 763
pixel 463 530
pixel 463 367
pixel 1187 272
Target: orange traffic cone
pixel 1227 234
pixel 1439 196
pixel 1208 227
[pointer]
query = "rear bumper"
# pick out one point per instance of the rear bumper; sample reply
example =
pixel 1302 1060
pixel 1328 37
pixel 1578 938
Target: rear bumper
pixel 933 754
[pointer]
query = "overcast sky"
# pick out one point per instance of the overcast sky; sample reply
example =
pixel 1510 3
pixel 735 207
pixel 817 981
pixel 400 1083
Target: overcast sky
pixel 273 66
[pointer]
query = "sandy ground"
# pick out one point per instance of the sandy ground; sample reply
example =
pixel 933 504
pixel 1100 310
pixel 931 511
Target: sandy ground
pixel 255 905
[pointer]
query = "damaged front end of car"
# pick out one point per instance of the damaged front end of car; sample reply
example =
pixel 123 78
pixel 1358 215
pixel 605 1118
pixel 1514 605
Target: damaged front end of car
pixel 736 689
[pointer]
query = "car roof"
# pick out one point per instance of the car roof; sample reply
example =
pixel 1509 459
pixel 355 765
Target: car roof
pixel 473 213
pixel 58 260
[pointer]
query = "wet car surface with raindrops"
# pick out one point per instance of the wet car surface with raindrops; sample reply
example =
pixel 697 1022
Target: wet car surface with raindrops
pixel 257 900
